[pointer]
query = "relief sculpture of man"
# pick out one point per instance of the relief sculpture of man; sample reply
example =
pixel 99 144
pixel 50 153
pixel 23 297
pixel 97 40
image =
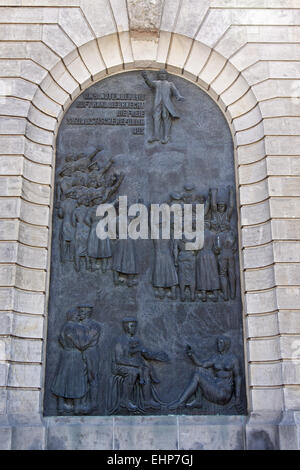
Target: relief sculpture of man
pixel 133 376
pixel 67 230
pixel 91 356
pixel 226 248
pixel 81 232
pixel 163 110
pixel 221 210
pixel 164 274
pixel 186 262
pixel 124 261
pixel 70 383
pixel 207 268
pixel 76 380
pixel 99 251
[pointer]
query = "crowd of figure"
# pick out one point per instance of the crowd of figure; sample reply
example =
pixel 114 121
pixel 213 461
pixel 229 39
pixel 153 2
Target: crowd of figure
pixel 208 274
pixel 84 184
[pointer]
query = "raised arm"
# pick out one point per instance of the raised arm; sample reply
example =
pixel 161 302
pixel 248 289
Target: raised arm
pixel 208 363
pixel 176 93
pixel 148 81
pixel 230 202
pixel 114 188
pixel 90 157
pixel 106 167
pixel 207 203
pixel 195 360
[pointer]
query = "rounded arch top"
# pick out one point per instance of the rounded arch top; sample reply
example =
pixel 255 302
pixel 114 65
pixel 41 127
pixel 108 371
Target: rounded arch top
pixel 114 53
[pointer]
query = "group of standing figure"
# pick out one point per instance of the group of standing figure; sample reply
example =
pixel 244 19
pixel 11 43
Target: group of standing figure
pixel 84 184
pixel 208 272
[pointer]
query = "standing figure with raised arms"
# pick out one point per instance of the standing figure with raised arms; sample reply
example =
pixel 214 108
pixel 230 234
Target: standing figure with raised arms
pixel 221 210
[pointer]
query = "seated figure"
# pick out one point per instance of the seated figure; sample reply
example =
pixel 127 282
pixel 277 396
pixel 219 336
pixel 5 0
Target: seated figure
pixel 133 379
pixel 217 385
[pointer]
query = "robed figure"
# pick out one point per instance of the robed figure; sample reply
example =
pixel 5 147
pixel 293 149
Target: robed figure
pixel 164 275
pixel 207 274
pixel 133 381
pixel 70 383
pixel 91 356
pixel 124 259
pixel 77 376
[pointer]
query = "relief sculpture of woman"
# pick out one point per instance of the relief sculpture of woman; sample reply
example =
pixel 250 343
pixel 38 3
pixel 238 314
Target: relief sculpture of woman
pixel 217 379
pixel 124 260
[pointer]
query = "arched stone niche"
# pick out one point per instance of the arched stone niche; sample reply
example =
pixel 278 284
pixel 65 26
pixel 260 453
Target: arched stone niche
pixel 141 279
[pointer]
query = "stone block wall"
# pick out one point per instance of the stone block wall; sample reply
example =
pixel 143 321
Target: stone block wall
pixel 245 54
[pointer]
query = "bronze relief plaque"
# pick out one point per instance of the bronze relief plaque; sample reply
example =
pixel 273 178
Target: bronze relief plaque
pixel 144 326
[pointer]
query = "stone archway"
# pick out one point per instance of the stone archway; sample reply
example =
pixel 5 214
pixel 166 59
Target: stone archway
pixel 214 74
